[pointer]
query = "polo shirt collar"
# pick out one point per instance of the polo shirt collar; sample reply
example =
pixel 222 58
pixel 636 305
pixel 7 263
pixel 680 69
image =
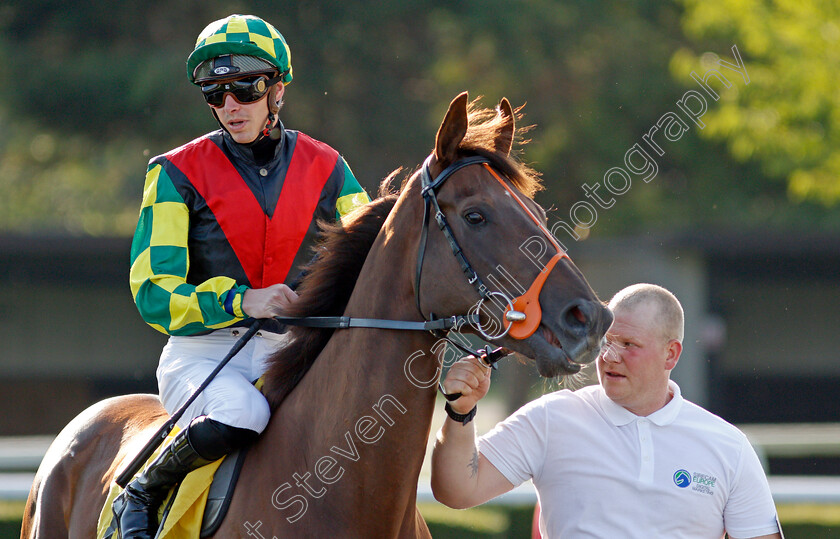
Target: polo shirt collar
pixel 620 416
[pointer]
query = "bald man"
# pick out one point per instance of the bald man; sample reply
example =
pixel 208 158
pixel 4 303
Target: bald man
pixel 628 457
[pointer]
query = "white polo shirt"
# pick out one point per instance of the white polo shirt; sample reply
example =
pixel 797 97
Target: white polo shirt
pixel 601 471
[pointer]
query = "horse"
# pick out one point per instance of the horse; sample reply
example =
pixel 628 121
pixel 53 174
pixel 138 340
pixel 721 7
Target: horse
pixel 352 409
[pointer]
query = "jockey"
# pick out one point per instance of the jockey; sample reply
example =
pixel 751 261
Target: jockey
pixel 225 224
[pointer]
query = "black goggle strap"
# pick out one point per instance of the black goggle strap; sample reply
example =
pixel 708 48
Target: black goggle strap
pixel 429 187
pixel 274 80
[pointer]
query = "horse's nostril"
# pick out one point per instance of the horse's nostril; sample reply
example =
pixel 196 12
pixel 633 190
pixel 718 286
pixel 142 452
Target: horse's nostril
pixel 575 317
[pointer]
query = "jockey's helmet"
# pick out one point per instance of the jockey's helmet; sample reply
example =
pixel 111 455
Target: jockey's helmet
pixel 236 46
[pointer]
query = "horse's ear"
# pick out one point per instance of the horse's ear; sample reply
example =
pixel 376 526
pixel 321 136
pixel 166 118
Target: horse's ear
pixel 504 136
pixel 452 130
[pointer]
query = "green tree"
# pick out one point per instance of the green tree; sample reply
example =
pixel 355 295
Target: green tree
pixel 788 117
pixel 596 77
pixel 99 87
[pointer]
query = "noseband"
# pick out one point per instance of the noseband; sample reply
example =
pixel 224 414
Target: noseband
pixel 522 314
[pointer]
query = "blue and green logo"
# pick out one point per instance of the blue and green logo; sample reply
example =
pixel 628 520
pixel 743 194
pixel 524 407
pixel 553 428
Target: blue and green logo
pixel 682 478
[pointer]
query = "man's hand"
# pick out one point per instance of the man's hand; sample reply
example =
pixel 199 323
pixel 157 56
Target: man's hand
pixel 469 377
pixel 461 476
pixel 269 302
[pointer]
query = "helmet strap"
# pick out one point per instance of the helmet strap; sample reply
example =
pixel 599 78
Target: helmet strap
pixel 273 108
pixel 269 123
pixel 270 129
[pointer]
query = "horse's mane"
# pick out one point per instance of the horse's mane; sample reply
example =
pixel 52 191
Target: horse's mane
pixel 325 291
pixel 343 248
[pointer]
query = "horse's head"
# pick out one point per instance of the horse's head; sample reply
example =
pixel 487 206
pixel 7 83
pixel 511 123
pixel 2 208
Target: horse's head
pixel 505 247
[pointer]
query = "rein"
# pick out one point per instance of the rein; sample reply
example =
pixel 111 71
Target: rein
pixel 346 322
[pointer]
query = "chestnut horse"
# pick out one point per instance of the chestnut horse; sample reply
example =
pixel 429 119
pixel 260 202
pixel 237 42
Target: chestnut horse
pixel 342 453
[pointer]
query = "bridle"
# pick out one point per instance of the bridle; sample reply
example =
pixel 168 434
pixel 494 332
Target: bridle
pixel 522 315
pixel 429 192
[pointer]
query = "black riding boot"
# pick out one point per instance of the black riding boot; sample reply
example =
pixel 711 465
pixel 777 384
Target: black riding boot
pixel 136 508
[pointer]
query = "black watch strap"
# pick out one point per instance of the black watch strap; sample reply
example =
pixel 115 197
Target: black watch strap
pixel 460 418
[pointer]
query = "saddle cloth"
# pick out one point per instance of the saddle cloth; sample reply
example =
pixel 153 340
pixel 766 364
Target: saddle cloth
pixel 199 505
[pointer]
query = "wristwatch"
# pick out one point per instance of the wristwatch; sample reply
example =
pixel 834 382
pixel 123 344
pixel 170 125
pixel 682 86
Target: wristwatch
pixel 460 418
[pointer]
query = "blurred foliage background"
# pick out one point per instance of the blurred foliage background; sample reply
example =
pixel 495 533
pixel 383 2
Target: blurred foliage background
pixel 94 89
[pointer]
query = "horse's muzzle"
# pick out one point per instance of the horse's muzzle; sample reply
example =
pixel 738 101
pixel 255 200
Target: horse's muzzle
pixel 573 338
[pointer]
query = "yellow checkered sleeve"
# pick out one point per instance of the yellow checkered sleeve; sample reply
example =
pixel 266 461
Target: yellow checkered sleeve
pixel 352 194
pixel 159 266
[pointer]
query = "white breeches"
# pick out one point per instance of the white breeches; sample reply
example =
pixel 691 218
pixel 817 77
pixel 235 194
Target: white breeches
pixel 231 397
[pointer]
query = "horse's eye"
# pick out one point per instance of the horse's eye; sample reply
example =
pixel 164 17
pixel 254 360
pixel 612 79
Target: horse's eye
pixel 474 218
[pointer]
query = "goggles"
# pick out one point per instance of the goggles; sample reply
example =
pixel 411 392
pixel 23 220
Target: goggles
pixel 244 91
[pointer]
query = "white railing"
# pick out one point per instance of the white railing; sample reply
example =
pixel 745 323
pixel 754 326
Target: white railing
pixel 794 439
pixel 20 457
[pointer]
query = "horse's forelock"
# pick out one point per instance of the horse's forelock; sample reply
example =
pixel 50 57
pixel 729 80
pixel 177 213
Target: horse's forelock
pixel 484 126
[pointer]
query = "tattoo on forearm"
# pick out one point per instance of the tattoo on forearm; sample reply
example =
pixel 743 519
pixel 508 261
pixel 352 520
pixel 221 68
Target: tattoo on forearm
pixel 474 464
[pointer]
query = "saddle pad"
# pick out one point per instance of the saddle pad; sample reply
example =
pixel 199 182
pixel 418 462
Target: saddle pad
pixel 186 512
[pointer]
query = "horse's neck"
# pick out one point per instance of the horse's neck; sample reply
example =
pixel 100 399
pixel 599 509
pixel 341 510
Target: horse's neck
pixel 362 395
pixel 360 366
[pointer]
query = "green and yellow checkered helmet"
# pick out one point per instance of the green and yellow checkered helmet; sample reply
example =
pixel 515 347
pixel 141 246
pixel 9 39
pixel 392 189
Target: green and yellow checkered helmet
pixel 243 39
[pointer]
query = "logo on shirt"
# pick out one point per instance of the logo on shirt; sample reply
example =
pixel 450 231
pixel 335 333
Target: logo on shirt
pixel 699 482
pixel 682 478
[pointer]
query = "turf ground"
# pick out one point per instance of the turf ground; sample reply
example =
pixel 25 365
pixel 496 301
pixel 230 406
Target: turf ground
pixel 498 522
